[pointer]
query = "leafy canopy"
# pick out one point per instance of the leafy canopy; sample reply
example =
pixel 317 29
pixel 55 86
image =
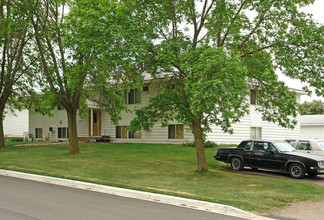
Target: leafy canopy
pixel 205 55
pixel 315 107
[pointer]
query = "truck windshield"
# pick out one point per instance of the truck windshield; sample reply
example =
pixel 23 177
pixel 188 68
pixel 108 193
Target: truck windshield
pixel 321 143
pixel 283 147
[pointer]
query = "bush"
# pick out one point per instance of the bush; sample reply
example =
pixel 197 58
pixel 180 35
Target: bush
pixel 14 139
pixel 207 144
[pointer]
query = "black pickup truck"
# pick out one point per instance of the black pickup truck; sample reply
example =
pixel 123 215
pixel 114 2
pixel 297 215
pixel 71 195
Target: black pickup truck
pixel 271 155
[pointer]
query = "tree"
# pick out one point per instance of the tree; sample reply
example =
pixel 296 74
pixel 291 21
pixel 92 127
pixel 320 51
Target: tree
pixel 207 54
pixel 80 52
pixel 16 58
pixel 315 107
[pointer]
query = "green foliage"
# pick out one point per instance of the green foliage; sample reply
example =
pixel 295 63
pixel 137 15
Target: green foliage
pixel 14 139
pixel 16 59
pixel 206 72
pixel 206 55
pixel 315 107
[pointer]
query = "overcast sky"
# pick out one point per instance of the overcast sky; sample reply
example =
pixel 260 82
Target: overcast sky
pixel 317 9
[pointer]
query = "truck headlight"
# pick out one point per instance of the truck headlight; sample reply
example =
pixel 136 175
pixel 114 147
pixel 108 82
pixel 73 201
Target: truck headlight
pixel 320 163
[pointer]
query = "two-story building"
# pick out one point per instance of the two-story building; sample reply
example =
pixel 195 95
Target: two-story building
pixel 98 124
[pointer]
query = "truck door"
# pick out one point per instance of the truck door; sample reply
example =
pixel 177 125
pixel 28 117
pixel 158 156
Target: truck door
pixel 264 156
pixel 304 146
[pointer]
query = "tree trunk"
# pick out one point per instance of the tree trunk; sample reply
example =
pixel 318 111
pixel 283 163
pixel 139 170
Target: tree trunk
pixel 199 145
pixel 73 132
pixel 2 138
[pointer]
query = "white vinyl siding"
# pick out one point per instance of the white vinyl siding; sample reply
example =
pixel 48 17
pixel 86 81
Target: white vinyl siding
pixel 16 124
pixel 158 134
pixel 312 132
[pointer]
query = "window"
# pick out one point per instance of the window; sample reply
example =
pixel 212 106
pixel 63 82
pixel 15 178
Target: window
pixel 121 132
pixel 253 97
pixel 131 134
pixel 59 107
pixel 118 131
pixel 291 142
pixel 63 132
pixel 256 133
pixel 38 133
pixel 303 145
pixel 145 89
pixel 321 143
pixel 175 131
pixel 133 97
pixel 263 146
pixel 246 145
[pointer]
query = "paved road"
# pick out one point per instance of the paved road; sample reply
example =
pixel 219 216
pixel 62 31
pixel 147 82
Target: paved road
pixel 30 200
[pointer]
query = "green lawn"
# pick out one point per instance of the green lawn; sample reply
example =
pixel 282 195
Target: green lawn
pixel 168 169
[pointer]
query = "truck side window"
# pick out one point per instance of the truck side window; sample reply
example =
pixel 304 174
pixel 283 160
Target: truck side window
pixel 259 146
pixel 246 145
pixel 303 145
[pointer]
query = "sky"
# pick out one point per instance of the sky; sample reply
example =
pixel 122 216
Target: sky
pixel 317 9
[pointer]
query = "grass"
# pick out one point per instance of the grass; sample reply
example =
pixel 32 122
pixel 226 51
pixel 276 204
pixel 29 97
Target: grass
pixel 167 169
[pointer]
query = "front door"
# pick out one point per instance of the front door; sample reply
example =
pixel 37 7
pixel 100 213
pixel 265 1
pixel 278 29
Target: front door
pixel 95 123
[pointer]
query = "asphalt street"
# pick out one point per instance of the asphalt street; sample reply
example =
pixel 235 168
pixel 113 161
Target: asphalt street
pixel 31 200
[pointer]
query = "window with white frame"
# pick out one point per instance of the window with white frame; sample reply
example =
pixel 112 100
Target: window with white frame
pixel 175 131
pixel 133 97
pixel 253 99
pixel 256 133
pixel 122 132
pixel 63 132
pixel 38 133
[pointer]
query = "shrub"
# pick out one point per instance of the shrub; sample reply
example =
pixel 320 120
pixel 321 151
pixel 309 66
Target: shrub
pixel 14 139
pixel 207 144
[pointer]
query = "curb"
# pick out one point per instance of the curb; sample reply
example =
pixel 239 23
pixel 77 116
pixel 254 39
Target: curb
pixel 135 194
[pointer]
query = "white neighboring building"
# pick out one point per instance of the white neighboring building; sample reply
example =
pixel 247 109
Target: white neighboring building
pixel 98 124
pixel 312 126
pixel 16 124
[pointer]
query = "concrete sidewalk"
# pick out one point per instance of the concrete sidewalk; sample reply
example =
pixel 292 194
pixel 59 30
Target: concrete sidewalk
pixel 172 200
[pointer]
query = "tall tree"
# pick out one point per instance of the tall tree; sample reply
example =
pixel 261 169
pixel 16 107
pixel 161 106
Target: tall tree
pixel 80 50
pixel 207 54
pixel 315 107
pixel 16 57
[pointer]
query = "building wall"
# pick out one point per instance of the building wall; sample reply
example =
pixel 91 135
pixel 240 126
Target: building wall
pixel 58 120
pixel 312 131
pixel 159 134
pixel 270 131
pixel 16 124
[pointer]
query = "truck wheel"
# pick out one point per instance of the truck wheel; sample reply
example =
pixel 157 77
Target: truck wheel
pixel 237 163
pixel 296 171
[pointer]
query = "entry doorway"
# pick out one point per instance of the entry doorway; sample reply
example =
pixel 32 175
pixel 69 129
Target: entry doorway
pixel 94 122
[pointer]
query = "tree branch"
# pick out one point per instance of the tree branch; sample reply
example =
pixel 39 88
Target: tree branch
pixel 233 20
pixel 260 49
pixel 261 19
pixel 202 22
pixel 45 67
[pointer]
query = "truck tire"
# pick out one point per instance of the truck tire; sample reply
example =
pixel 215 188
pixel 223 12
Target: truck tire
pixel 237 163
pixel 296 171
